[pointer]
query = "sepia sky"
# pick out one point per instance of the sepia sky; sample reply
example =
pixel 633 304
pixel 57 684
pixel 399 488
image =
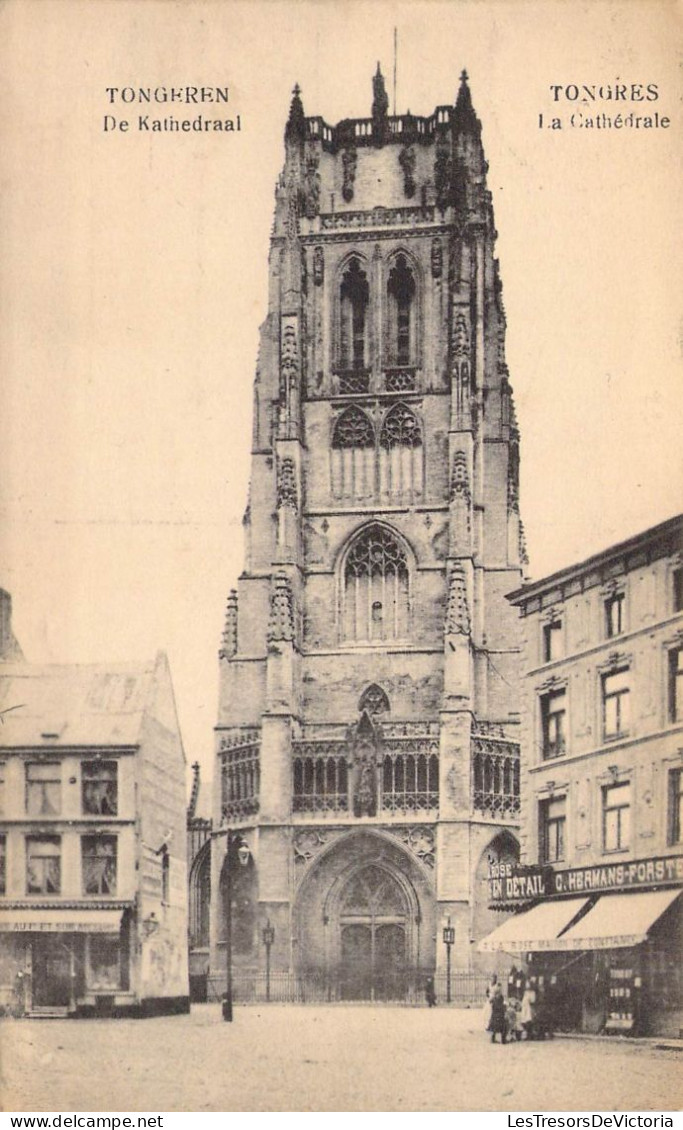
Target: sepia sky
pixel 133 279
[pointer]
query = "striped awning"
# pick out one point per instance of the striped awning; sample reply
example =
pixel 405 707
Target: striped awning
pixel 617 921
pixel 533 930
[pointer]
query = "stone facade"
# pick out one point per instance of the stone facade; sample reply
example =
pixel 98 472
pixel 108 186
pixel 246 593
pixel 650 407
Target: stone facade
pixel 367 735
pixel 602 749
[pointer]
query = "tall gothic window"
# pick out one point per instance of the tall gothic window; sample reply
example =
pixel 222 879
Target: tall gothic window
pixel 400 455
pixel 353 456
pixel 354 296
pixel 401 310
pixel 375 602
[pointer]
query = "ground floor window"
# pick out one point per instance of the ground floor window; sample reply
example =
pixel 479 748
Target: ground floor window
pixel 104 961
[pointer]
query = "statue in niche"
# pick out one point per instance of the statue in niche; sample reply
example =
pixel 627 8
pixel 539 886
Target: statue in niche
pixel 364 738
pixel 407 162
pixel 349 160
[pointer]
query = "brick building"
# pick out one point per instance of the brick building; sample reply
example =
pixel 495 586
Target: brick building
pixel 602 786
pixel 93 898
pixel 367 736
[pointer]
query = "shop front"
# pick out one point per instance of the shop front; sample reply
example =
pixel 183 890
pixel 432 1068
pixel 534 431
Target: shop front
pixel 607 961
pixel 66 962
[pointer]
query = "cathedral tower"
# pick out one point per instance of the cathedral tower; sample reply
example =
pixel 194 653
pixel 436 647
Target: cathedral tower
pixel 367 734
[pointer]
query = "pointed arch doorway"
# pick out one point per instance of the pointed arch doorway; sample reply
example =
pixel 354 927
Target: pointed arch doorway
pixel 373 916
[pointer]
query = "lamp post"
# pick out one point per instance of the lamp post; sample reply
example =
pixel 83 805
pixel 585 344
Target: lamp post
pixel 268 935
pixel 448 941
pixel 243 855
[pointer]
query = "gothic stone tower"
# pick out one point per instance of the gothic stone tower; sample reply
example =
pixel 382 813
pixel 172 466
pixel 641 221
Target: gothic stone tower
pixel 366 741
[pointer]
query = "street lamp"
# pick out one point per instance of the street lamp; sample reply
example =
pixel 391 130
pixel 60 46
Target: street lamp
pixel 268 935
pixel 448 941
pixel 243 855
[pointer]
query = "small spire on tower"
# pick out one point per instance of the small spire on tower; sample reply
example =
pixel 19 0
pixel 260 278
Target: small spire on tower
pixel 194 796
pixel 295 129
pixel 465 116
pixel 380 107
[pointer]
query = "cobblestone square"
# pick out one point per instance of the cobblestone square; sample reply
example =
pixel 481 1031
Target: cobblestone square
pixel 281 1058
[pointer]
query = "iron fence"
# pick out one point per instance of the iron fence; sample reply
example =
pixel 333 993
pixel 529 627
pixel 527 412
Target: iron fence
pixel 406 987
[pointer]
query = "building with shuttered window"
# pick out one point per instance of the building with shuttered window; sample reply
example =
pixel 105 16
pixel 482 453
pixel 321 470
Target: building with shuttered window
pixel 602 788
pixel 93 900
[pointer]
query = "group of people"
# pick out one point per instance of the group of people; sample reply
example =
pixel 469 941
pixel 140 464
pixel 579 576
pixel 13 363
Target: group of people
pixel 521 1015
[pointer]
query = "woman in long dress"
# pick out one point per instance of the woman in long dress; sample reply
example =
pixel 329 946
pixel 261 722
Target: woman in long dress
pixel 498 1017
pixel 490 990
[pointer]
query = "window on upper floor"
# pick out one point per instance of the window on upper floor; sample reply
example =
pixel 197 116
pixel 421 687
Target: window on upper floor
pixel 675 806
pixel 400 455
pixel 374 700
pixel 676 684
pixel 554 723
pixel 43 865
pixel 401 314
pixel 616 695
pixel 3 864
pixel 98 865
pixel 552 640
pixel 99 788
pixel 353 455
pixel 616 816
pixel 677 587
pixel 354 299
pixel 552 829
pixel 43 788
pixel 375 603
pixel 615 608
pixel 363 463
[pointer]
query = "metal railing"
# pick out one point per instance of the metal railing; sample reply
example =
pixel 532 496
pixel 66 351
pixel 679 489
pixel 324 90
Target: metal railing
pixel 403 987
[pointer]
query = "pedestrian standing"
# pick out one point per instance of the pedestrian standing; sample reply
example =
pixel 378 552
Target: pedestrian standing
pixel 430 992
pixel 527 1013
pixel 490 990
pixel 498 1022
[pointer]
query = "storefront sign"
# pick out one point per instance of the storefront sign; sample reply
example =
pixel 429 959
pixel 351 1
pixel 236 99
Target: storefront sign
pixel 59 928
pixel 510 883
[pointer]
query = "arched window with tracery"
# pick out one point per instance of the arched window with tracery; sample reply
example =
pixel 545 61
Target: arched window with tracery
pixel 401 292
pixel 401 468
pixel 375 588
pixel 353 456
pixel 374 700
pixel 354 298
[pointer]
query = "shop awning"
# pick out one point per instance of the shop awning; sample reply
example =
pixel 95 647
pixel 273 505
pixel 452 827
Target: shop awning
pixel 55 921
pixel 617 920
pixel 534 929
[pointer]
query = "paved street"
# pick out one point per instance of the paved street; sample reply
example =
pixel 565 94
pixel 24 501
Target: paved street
pixel 321 1059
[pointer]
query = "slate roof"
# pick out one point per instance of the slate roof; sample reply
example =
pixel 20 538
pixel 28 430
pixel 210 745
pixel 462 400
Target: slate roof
pixel 76 705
